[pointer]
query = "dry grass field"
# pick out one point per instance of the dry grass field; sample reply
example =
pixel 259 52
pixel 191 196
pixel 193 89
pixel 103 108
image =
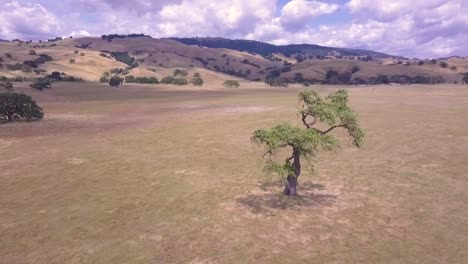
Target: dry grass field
pixel 139 174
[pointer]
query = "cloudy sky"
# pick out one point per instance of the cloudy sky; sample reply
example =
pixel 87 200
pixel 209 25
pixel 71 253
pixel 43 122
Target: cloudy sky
pixel 412 28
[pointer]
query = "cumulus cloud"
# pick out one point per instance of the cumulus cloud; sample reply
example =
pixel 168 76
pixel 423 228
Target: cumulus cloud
pixel 296 14
pixel 26 20
pixel 427 28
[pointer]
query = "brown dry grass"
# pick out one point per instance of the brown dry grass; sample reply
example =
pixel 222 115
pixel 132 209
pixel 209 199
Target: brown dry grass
pixel 149 175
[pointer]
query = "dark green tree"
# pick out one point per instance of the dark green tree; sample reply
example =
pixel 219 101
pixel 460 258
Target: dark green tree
pixel 180 81
pixel 197 81
pixel 41 84
pixel 167 80
pixel 115 81
pixel 15 106
pixel 7 86
pixel 231 83
pixel 305 143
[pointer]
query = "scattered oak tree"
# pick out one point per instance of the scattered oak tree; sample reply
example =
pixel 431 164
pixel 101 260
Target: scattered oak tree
pixel 197 81
pixel 7 86
pixel 231 83
pixel 41 84
pixel 115 81
pixel 167 80
pixel 305 143
pixel 15 106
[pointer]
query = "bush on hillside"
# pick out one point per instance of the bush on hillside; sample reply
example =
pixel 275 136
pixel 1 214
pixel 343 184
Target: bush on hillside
pixel 178 72
pixel 15 106
pixel 167 80
pixel 115 81
pixel 180 81
pixel 231 83
pixel 278 82
pixel 197 81
pixel 7 85
pixel 443 64
pixel 41 84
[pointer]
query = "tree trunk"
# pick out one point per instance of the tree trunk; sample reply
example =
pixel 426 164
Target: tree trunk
pixel 290 189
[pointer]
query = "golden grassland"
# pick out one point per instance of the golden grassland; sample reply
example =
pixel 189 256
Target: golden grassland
pixel 139 174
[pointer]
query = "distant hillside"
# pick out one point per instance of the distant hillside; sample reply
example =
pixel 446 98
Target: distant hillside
pixel 217 60
pixel 266 49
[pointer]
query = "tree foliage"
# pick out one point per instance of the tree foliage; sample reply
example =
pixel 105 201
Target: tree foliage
pixel 197 81
pixel 167 80
pixel 332 111
pixel 41 84
pixel 7 86
pixel 15 106
pixel 115 81
pixel 231 83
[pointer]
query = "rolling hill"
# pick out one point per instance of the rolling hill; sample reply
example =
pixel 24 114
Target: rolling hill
pixel 219 59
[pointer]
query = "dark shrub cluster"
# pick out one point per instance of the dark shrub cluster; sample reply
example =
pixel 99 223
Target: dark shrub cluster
pixel 110 37
pixel 245 61
pixel 142 80
pixel 123 57
pixel 115 81
pixel 15 106
pixel 41 84
pixel 231 83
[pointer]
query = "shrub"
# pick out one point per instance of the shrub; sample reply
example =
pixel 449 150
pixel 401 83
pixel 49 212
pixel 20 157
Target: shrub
pixel 104 77
pixel 465 78
pixel 197 81
pixel 15 106
pixel 26 68
pixel 82 54
pixel 178 72
pixel 72 61
pixel 180 81
pixel 76 52
pixel 6 85
pixel 421 62
pixel 231 83
pixel 433 61
pixel 279 82
pixel 443 64
pixel 55 76
pixel 123 57
pixel 453 68
pixel 354 69
pixel 196 75
pixel 167 80
pixel 41 84
pixel 115 81
pixel 14 67
pixel 8 56
pixel 32 52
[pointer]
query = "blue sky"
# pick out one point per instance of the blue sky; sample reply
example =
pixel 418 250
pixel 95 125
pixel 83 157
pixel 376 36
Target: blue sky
pixel 417 28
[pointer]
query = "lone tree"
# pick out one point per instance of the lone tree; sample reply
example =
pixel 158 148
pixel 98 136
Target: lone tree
pixel 332 111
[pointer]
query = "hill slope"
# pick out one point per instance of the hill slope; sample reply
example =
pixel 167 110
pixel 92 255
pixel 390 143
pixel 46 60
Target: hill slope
pixel 88 58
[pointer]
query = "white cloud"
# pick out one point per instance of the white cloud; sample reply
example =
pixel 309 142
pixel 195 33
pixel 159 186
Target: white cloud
pixel 411 28
pixel 296 14
pixel 25 20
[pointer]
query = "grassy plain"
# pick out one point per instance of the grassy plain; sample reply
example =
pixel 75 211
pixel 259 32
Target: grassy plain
pixel 139 174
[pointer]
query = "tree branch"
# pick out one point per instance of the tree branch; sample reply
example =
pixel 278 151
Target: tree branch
pixel 304 121
pixel 330 129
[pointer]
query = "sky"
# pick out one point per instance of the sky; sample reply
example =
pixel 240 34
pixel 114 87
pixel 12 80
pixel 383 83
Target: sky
pixel 411 28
